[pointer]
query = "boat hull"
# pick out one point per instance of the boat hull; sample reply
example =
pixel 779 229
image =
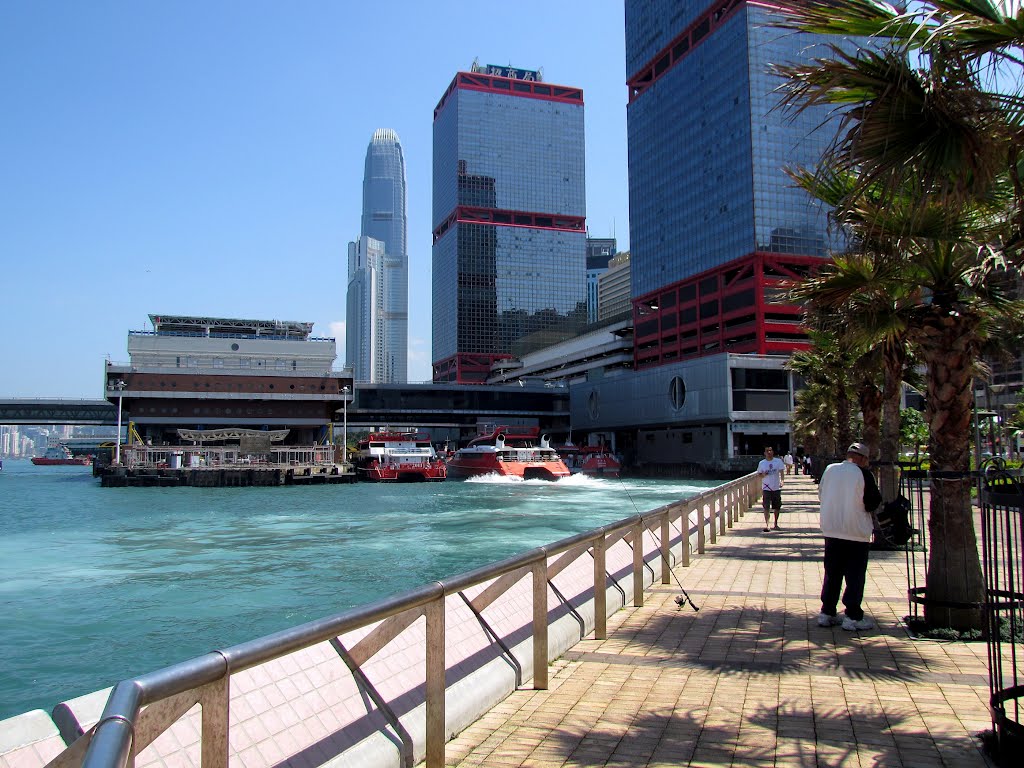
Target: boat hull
pixel 41 461
pixel 406 474
pixel 463 467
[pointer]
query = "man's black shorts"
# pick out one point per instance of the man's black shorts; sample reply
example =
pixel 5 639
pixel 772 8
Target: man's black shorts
pixel 771 499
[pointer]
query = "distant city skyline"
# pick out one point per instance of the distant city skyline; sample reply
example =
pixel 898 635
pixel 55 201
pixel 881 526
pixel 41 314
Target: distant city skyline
pixel 207 159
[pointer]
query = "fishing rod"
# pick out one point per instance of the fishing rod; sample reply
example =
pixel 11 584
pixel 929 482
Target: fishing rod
pixel 684 597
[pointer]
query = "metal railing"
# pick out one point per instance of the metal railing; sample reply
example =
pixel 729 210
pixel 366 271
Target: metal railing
pixel 141 709
pixel 135 456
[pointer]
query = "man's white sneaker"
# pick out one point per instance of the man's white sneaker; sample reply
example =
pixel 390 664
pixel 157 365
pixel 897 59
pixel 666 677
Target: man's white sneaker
pixel 824 620
pixel 850 625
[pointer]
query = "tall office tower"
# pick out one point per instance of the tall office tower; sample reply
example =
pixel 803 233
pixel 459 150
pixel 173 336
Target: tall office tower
pixel 384 220
pixel 364 310
pixel 716 228
pixel 509 219
pixel 714 220
pixel 599 252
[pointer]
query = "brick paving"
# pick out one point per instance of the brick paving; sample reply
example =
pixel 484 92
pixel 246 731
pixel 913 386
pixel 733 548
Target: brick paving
pixel 750 679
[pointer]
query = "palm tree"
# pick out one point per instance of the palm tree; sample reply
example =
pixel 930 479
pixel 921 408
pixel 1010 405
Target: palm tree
pixel 858 297
pixel 827 369
pixel 928 157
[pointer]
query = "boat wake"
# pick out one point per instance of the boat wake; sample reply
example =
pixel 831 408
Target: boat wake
pixel 573 481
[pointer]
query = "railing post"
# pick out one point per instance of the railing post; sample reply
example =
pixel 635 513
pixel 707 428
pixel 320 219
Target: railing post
pixel 700 527
pixel 435 682
pixel 666 548
pixel 540 624
pixel 720 503
pixel 731 508
pixel 638 564
pixel 600 591
pixel 684 524
pixel 712 522
pixel 216 712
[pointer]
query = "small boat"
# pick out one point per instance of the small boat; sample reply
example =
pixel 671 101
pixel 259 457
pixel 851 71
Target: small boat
pixel 398 457
pixel 595 460
pixel 511 452
pixel 60 455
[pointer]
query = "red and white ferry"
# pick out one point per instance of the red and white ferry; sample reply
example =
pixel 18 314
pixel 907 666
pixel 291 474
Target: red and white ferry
pixel 509 451
pixel 398 457
pixel 595 460
pixel 59 455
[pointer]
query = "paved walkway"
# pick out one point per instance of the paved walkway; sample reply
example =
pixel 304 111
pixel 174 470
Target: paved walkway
pixel 750 679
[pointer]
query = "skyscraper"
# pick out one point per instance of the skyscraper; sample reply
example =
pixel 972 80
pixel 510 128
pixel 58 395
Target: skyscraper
pixel 364 309
pixel 600 251
pixel 384 221
pixel 509 219
pixel 714 220
pixel 716 229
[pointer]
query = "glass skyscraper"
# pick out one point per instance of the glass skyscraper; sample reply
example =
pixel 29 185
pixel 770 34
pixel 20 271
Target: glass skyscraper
pixel 384 221
pixel 715 223
pixel 509 219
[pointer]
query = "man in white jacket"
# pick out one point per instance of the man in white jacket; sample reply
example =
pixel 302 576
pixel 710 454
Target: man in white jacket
pixel 848 495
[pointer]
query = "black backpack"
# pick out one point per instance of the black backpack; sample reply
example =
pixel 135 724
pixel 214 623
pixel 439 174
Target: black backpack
pixel 894 521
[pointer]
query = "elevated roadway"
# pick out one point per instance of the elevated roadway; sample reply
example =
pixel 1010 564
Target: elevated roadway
pixel 30 411
pixel 425 405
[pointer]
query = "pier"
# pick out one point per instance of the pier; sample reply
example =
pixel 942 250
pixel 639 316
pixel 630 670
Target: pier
pixel 226 466
pixel 576 654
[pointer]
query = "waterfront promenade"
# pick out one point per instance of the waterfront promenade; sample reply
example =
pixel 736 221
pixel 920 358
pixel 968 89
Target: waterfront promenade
pixel 750 679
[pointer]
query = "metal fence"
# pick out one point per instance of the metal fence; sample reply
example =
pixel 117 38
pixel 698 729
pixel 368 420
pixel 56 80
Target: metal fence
pixel 1002 503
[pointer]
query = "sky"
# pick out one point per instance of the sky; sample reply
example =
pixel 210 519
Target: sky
pixel 206 158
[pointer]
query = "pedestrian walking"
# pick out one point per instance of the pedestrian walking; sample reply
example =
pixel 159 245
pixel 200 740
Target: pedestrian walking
pixel 848 495
pixel 771 470
pixel 788 461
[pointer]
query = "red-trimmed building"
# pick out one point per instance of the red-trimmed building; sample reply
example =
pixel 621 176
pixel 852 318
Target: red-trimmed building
pixel 509 220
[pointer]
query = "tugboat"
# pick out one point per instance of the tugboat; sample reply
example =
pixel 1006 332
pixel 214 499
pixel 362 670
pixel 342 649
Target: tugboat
pixel 398 457
pixel 60 455
pixel 593 460
pixel 510 452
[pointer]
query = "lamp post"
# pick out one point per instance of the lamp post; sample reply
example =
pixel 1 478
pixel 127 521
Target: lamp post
pixel 344 433
pixel 119 385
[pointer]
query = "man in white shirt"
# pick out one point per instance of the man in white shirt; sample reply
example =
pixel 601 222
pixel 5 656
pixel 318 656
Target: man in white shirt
pixel 771 470
pixel 848 495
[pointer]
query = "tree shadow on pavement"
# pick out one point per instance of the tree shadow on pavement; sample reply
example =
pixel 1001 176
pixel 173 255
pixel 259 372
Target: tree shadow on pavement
pixel 791 734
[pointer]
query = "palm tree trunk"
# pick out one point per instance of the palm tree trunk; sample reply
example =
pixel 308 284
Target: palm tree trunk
pixel 954 587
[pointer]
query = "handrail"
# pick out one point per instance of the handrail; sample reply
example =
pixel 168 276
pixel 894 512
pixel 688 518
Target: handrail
pixel 112 742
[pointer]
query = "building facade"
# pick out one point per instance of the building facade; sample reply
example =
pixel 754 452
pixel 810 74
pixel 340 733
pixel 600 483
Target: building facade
pixel 600 251
pixel 365 324
pixel 384 220
pixel 213 372
pixel 614 288
pixel 509 220
pixel 716 229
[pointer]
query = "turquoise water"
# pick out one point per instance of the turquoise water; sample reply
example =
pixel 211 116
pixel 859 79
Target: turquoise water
pixel 102 584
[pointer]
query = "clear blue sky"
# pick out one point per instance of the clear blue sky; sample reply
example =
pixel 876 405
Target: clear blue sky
pixel 206 158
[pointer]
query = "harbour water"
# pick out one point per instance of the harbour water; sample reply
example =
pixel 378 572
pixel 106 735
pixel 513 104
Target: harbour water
pixel 101 584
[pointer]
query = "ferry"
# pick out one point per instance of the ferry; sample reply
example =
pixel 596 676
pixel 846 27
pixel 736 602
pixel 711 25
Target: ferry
pixel 594 460
pixel 398 457
pixel 60 455
pixel 510 452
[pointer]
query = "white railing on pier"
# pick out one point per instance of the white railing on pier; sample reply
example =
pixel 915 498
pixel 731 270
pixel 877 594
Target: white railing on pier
pixel 529 609
pixel 136 456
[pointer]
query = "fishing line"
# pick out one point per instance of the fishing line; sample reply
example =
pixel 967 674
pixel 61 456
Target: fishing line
pixel 685 596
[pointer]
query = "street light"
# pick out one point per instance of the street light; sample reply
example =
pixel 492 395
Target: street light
pixel 119 385
pixel 344 444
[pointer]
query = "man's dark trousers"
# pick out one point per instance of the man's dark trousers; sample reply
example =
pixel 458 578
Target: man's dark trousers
pixel 845 560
